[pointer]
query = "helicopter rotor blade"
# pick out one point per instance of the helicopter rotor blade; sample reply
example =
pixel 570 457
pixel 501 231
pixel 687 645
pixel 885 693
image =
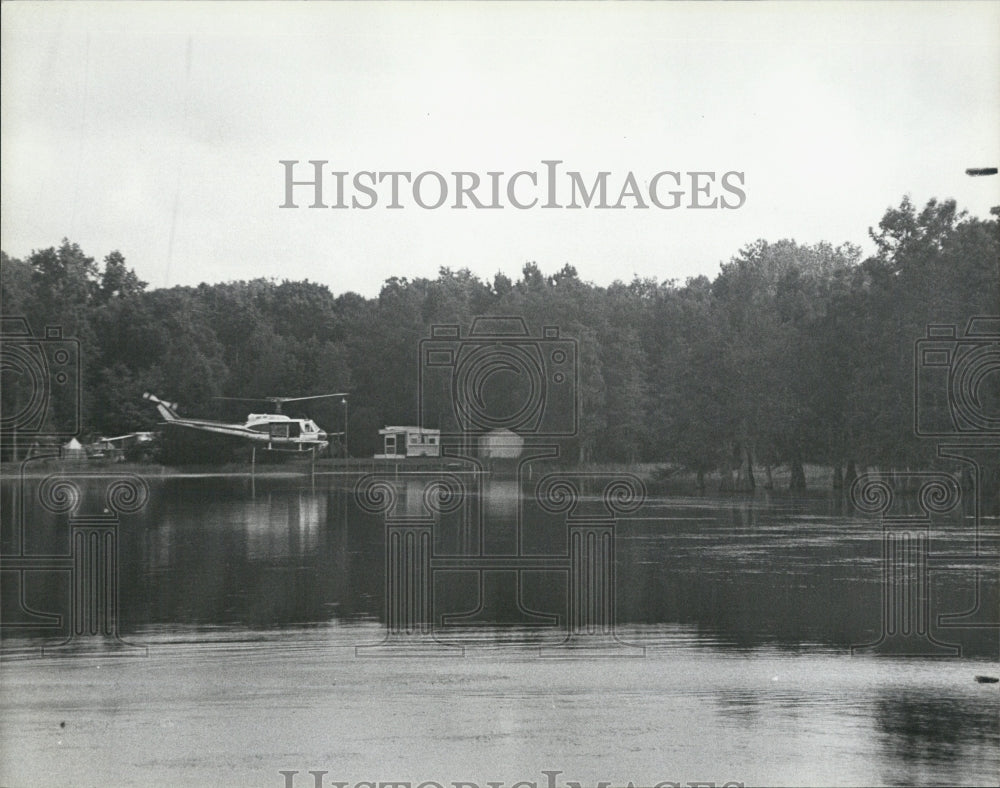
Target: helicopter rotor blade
pixel 279 401
pixel 284 399
pixel 299 399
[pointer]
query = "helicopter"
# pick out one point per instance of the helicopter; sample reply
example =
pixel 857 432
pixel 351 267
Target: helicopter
pixel 273 431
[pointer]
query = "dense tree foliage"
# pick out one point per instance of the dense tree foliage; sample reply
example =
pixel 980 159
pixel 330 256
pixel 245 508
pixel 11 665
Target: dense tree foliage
pixel 793 354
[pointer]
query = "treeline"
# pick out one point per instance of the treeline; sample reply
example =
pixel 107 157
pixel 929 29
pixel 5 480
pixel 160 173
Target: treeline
pixel 792 354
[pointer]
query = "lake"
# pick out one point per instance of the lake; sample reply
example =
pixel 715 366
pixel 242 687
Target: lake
pixel 484 625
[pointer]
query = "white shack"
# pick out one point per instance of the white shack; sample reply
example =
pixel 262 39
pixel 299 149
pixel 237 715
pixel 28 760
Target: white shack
pixel 402 442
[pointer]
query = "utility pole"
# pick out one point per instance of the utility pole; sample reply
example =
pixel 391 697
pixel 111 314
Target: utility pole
pixel 344 403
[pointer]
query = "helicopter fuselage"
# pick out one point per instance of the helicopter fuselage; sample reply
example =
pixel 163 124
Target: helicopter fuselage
pixel 274 431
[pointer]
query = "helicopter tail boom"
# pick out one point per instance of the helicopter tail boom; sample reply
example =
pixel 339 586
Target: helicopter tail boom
pixel 168 410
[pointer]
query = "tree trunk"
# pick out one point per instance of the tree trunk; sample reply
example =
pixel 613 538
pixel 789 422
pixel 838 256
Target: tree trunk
pixel 850 474
pixel 838 477
pixel 769 484
pixel 744 478
pixel 798 480
pixel 701 480
pixel 726 483
pixel 968 480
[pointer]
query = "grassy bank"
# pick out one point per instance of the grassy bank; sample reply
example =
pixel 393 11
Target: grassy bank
pixel 658 475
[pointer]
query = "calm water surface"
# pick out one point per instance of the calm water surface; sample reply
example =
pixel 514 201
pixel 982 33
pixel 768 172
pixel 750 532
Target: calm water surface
pixel 728 656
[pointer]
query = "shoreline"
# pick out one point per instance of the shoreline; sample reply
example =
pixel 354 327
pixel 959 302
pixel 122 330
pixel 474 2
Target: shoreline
pixel 304 699
pixel 661 477
pixel 818 477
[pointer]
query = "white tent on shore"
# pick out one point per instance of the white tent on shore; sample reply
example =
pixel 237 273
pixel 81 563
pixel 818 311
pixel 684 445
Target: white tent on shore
pixel 74 450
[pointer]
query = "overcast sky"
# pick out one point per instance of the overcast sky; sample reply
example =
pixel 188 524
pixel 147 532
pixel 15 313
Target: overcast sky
pixel 157 130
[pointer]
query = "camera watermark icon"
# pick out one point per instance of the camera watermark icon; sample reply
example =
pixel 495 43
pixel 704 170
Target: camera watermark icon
pixel 409 585
pixel 957 380
pixel 497 377
pixel 981 461
pixel 41 381
pixel 591 523
pixel 579 578
pixel 90 559
pixel 906 605
pixel 956 396
pixel 461 560
pixel 317 778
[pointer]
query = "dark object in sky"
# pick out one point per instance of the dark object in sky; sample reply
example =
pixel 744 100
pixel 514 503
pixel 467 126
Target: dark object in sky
pixel 981 171
pixel 987 679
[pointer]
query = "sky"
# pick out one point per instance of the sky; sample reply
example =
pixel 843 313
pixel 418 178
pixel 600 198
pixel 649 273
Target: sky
pixel 157 129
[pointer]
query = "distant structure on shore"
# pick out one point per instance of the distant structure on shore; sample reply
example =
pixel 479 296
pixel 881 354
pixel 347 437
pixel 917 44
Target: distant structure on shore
pixel 402 442
pixel 500 445
pixel 115 448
